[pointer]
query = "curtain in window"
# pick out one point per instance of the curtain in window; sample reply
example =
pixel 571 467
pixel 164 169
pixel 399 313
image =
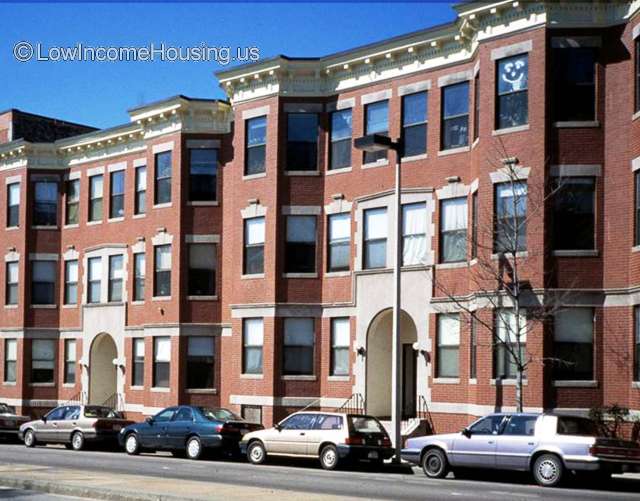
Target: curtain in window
pixel 11 354
pixel 414 228
pixel 141 179
pixel 163 256
pixel 454 229
pixel 14 194
pixel 253 341
pixel 340 342
pixel 375 224
pixel 12 273
pixel 95 269
pixel 163 349
pixel 448 363
pixel 254 231
pixel 97 186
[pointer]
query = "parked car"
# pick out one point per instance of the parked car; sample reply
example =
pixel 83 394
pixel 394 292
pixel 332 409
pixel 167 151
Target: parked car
pixel 330 437
pixel 74 426
pixel 187 430
pixel 10 422
pixel 547 445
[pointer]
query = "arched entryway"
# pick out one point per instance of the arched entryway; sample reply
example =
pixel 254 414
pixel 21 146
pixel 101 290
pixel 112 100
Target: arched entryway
pixel 102 371
pixel 378 370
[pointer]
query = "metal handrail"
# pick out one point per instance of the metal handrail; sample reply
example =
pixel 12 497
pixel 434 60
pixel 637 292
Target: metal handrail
pixel 424 413
pixel 355 404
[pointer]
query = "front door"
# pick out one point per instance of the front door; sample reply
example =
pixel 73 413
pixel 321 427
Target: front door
pixel 478 447
pixel 408 381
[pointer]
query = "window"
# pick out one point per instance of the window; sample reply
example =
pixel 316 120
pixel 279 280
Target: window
pixel 116 203
pixel 42 360
pixel 116 275
pixel 299 340
pixel 45 209
pixel 299 422
pixel 637 75
pixel 69 361
pixel 341 131
pixel 251 413
pixel 414 237
pixel 202 269
pixel 255 145
pixel 327 422
pixel 72 200
pixel 573 344
pixel 10 360
pixel 476 107
pixel 95 197
pixel 448 363
pixel 340 342
pixel 95 277
pixel 137 377
pixel 165 415
pixel 162 278
pixel 161 361
pixel 414 124
pixel 377 122
pixel 203 174
pixel 163 178
pixel 521 425
pixel 506 352
pixel 139 272
pixel 375 238
pixel 575 84
pixel 13 205
pixel 636 372
pixel 455 116
pixel 300 253
pixel 184 414
pixel 574 214
pixel 302 141
pixel 636 178
pixel 140 205
pixel 474 225
pixel 339 248
pixel 11 288
pixel 473 350
pixel 512 82
pixel 453 230
pixel 71 282
pixel 253 262
pixel 43 282
pixel 200 362
pixel 252 343
pixel 511 217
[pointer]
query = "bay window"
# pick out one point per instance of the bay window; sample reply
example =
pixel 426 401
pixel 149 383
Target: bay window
pixel 72 201
pixel 573 344
pixel 510 343
pixel 302 141
pixel 163 178
pixel 448 356
pixel 94 281
pixel 202 270
pixel 253 262
pixel 298 347
pixel 575 84
pixel 43 282
pixel 203 174
pixel 376 122
pixel 414 124
pixel 375 238
pixel 574 214
pixel 255 145
pixel 45 208
pixel 71 281
pixel 453 230
pixel 43 360
pixel 455 116
pixel 510 234
pixel 340 342
pixel 200 358
pixel 339 248
pixel 252 345
pixel 13 205
pixel 116 275
pixel 161 362
pixel 162 275
pixel 341 131
pixel 300 251
pixel 11 286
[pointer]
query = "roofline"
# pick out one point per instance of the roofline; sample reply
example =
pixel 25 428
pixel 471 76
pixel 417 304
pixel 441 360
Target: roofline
pixel 176 98
pixel 36 115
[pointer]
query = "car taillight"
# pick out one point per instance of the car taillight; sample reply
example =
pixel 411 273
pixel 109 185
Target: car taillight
pixel 219 428
pixel 386 442
pixel 602 450
pixel 354 441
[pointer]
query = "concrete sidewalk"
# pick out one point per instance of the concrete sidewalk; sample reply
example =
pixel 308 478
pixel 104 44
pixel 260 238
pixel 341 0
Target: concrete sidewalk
pixel 120 487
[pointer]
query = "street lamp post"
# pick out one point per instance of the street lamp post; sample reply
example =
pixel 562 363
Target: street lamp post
pixel 372 143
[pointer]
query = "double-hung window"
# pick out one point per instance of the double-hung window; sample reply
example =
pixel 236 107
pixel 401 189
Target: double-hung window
pixel 116 275
pixel 45 209
pixel 298 348
pixel 69 361
pixel 476 107
pixel 575 84
pixel 510 343
pixel 139 273
pixel 300 253
pixel 11 286
pixel 43 360
pixel 340 342
pixel 453 230
pixel 448 362
pixel 636 351
pixel 163 178
pixel 252 345
pixel 414 124
pixel 13 205
pixel 71 281
pixel 377 122
pixel 116 201
pixel 512 83
pixel 375 238
pixel 341 131
pixel 137 378
pixel 72 202
pixel 473 349
pixel 302 141
pixel 510 234
pixel 339 249
pixel 95 197
pixel 637 75
pixel 140 202
pixel 162 275
pixel 161 361
pixel 203 174
pixel 574 213
pixel 255 145
pixel 10 360
pixel 474 225
pixel 455 116
pixel 43 282
pixel 414 233
pixel 202 269
pixel 253 260
pixel 573 344
pixel 200 358
pixel 636 180
pixel 94 264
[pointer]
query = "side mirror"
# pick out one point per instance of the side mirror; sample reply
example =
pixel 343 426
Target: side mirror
pixel 466 432
pixel 278 427
pixel 149 420
pixel 44 419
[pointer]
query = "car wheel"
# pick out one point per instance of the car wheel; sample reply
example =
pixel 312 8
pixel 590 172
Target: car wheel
pixel 329 457
pixel 77 441
pixel 548 470
pixel 131 444
pixel 30 438
pixel 256 453
pixel 194 448
pixel 435 464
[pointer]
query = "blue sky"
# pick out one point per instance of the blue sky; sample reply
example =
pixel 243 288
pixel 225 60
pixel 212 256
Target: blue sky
pixel 99 93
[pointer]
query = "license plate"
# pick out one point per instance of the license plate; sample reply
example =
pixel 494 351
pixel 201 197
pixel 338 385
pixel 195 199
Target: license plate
pixel 117 427
pixel 373 455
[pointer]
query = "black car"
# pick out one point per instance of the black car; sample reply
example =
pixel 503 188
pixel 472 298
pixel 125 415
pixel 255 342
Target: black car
pixel 187 430
pixel 10 422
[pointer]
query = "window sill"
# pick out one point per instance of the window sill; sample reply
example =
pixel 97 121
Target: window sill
pixel 636 385
pixel 414 158
pixel 201 391
pixel 136 388
pixel 69 306
pixel 12 228
pixel 10 306
pixel 331 274
pixel 9 383
pixel 139 216
pixel 575 384
pixel 302 173
pixel 44 306
pixel 380 163
pixel 70 226
pixel 519 254
pixel 50 228
pixel 258 175
pixel 509 130
pixel 202 298
pixel 160 390
pixel 42 385
pixel 300 275
pixel 163 206
pixel 161 298
pixel 252 276
pixel 453 151
pixel 298 378
pixel 576 253
pixel 507 382
pixel 93 223
pixel 251 376
pixel 635 116
pixel 451 266
pixel 69 385
pixel 577 124
pixel 137 303
pixel 115 219
pixel 203 203
pixel 635 248
pixel 473 381
pixel 341 170
pixel 446 380
pixel 339 378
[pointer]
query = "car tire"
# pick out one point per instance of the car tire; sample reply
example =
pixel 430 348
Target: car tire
pixel 256 453
pixel 132 444
pixel 434 463
pixel 329 457
pixel 29 438
pixel 77 441
pixel 193 448
pixel 548 470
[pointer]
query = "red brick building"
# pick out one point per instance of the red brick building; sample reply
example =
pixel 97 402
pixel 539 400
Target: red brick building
pixel 239 253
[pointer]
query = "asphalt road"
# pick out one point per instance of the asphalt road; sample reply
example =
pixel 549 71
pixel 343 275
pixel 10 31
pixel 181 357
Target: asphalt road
pixel 307 476
pixel 23 495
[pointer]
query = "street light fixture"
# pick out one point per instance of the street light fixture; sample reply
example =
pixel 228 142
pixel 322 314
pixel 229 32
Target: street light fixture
pixel 373 143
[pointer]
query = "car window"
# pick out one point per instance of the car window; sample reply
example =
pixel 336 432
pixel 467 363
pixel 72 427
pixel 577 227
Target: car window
pixel 96 411
pixel 72 412
pixel 366 424
pixel 57 414
pixel 184 414
pixel 325 422
pixel 165 415
pixel 220 414
pixel 6 409
pixel 299 422
pixel 487 426
pixel 569 425
pixel 521 425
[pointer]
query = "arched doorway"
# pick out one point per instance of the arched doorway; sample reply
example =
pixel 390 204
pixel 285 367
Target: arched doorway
pixel 379 357
pixel 102 372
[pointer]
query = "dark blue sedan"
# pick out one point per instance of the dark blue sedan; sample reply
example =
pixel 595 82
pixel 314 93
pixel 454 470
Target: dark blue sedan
pixel 187 430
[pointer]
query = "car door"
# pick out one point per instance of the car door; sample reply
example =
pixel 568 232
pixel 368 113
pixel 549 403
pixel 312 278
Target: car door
pixel 477 447
pixel 179 427
pixel 68 423
pixel 154 434
pixel 291 436
pixel 47 430
pixel 516 443
pixel 326 428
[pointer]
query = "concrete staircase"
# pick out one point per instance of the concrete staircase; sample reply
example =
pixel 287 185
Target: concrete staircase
pixel 412 427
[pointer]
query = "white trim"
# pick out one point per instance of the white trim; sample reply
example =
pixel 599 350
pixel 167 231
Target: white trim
pixel 301 210
pixel 339 206
pixel 72 176
pixel 503 175
pixel 577 124
pixel 270 401
pixel 453 190
pixel 300 275
pixel 576 170
pixel 474 409
pixel 254 176
pixel 308 173
pixel 635 33
pixel 95 171
pixel 253 210
pixel 12 257
pixel 13 179
pixel 511 50
pixel 202 239
pixel 453 151
pixel 255 112
pixel 140 162
pixel 342 170
pixel 162 238
pixel 446 380
pixel 510 130
pixel 454 78
pixel 162 147
pixel 576 253
pixel 635 164
pixel 117 167
pixel 414 88
pixel 341 104
pixel 374 97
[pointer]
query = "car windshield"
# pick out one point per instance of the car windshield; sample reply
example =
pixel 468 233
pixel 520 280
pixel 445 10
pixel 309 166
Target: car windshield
pixel 568 425
pixel 5 409
pixel 366 424
pixel 220 414
pixel 94 411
